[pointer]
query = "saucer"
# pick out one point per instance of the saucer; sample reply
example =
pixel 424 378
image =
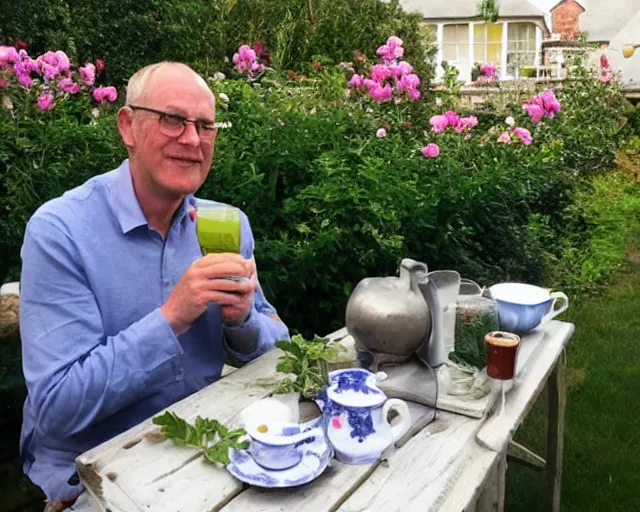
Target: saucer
pixel 314 461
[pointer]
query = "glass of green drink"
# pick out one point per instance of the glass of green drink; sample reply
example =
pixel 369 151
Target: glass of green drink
pixel 218 228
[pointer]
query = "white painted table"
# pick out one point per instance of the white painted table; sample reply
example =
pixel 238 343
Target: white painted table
pixel 453 463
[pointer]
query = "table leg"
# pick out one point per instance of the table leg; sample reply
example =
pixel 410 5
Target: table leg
pixel 557 399
pixel 492 497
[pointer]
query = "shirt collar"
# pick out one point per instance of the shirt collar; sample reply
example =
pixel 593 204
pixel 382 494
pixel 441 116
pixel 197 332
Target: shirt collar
pixel 125 205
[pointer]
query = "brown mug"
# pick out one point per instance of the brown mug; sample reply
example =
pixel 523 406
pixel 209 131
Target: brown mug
pixel 502 353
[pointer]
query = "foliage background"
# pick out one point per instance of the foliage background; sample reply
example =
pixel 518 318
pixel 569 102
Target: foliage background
pixel 129 34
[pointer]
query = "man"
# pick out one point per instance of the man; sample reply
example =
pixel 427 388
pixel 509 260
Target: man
pixel 121 315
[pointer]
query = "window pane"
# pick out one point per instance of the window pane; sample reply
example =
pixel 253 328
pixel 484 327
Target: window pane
pixel 494 33
pixel 479 35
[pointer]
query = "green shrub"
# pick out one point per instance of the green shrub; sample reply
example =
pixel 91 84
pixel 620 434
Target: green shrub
pixel 129 34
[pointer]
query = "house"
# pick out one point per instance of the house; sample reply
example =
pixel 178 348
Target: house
pixel 612 24
pixel 464 38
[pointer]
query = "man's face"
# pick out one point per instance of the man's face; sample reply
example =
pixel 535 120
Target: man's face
pixel 171 167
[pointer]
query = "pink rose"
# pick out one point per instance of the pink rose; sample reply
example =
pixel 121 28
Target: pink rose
pixel 431 150
pixel 524 135
pixel 45 102
pixel 88 73
pixel 356 81
pixel 504 138
pixel 438 123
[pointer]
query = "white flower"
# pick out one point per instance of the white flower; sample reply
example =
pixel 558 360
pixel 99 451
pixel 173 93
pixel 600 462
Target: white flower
pixel 218 76
pixel 439 102
pixel 95 113
pixel 224 97
pixel 381 133
pixel 510 121
pixel 224 125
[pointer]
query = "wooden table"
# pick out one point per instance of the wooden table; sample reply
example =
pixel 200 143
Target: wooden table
pixel 453 463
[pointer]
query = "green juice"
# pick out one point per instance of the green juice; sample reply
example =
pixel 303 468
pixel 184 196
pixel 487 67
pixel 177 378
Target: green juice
pixel 218 229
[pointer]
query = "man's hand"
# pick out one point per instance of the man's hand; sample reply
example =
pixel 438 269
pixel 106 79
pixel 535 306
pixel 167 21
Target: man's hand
pixel 204 282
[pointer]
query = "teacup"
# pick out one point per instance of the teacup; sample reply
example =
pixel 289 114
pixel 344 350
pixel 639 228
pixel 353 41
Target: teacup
pixel 523 307
pixel 279 445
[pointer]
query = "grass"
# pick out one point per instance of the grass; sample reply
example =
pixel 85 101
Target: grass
pixel 602 424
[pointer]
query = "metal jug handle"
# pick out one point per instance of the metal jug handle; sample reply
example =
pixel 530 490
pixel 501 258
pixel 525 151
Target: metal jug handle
pixel 468 283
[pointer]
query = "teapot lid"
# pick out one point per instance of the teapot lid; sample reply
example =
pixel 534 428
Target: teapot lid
pixel 355 387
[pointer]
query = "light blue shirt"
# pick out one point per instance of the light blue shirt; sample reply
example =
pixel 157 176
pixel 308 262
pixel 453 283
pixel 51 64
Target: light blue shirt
pixel 98 354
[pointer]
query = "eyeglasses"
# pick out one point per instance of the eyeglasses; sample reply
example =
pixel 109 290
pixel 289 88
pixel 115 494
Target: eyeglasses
pixel 174 125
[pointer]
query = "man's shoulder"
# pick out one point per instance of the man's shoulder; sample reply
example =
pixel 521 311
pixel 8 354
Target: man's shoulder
pixel 76 203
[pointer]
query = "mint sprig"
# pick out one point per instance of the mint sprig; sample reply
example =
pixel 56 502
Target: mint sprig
pixel 213 438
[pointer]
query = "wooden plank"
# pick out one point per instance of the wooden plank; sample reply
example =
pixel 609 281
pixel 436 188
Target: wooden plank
pixel 160 476
pixel 421 473
pixel 522 455
pixel 139 462
pixel 529 381
pixel 331 488
pixel 555 432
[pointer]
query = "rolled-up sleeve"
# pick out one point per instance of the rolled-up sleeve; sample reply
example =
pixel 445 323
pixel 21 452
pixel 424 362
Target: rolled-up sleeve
pixel 75 374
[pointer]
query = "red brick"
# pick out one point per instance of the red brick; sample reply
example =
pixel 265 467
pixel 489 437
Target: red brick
pixel 565 19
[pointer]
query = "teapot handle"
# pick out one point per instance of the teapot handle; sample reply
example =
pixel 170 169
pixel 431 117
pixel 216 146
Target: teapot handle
pixel 401 407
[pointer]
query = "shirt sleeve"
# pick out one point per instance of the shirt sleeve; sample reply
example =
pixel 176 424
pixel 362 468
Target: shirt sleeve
pixel 262 329
pixel 75 374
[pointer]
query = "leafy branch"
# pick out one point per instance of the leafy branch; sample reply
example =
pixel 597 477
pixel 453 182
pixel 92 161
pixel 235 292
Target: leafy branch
pixel 307 360
pixel 211 436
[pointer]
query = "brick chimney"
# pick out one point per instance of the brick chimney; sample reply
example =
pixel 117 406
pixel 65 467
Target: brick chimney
pixel 565 18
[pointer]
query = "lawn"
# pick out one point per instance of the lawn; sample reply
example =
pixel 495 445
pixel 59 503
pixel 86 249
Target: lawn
pixel 602 430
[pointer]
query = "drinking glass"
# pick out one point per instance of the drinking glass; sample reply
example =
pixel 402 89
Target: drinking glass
pixel 218 228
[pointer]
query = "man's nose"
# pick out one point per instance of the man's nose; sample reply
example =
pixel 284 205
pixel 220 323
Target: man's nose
pixel 190 136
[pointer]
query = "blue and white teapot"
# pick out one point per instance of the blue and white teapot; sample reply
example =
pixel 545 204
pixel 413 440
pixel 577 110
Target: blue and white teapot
pixel 355 416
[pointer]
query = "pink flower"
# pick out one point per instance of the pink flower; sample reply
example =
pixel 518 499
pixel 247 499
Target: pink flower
pixel 465 123
pixel 25 79
pixel 100 65
pixel 414 94
pixel 452 117
pixel 489 70
pixel 550 104
pixel 381 133
pixel 380 72
pixel 438 123
pixel 8 54
pixel 381 94
pixel 536 112
pixel 88 73
pixel 356 81
pixel 66 84
pixel 604 62
pixel 45 102
pixel 524 135
pixel 105 93
pixel 335 422
pixel 383 50
pixel 431 150
pixel 369 84
pixel 394 42
pixel 505 138
pixel 403 68
pixel 606 76
pixel 408 82
pixel 3 83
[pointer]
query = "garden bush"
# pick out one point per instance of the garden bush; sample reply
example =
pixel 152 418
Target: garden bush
pixel 129 34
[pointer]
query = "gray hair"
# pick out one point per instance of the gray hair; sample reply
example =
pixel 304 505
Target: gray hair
pixel 137 85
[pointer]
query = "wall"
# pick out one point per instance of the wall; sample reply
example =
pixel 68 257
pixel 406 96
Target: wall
pixel 565 19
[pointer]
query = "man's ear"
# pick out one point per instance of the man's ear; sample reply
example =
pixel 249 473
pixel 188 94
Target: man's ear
pixel 125 126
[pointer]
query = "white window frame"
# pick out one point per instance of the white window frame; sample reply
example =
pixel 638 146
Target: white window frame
pixel 535 51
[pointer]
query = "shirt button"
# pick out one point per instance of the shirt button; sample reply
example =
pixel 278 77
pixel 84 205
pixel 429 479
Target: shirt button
pixel 180 373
